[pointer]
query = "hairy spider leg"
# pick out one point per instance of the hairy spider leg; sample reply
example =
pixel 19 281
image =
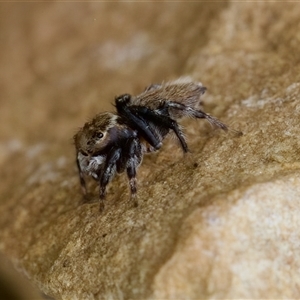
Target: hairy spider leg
pixel 134 155
pixel 196 113
pixel 138 123
pixel 161 118
pixel 82 181
pixel 108 172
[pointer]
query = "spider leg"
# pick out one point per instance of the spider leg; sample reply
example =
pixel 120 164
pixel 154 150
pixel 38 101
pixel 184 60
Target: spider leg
pixel 82 181
pixel 131 173
pixel 134 159
pixel 175 127
pixel 160 119
pixel 189 111
pixel 137 122
pixel 107 173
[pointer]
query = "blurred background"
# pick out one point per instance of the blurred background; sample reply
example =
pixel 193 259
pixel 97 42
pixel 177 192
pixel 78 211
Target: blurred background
pixel 62 62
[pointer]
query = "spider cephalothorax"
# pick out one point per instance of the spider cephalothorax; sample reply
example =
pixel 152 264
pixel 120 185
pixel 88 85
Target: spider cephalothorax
pixel 116 142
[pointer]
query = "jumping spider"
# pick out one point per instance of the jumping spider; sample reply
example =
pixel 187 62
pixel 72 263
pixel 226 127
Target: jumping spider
pixel 116 142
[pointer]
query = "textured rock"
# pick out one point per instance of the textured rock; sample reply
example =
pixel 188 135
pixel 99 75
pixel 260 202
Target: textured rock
pixel 221 223
pixel 13 286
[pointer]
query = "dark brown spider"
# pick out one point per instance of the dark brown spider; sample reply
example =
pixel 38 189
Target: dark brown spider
pixel 116 142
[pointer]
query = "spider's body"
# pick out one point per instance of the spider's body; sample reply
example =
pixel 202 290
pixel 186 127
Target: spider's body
pixel 116 142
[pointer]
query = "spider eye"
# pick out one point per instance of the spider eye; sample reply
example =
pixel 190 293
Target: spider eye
pixel 98 135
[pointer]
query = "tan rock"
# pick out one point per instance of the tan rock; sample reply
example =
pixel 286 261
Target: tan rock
pixel 221 223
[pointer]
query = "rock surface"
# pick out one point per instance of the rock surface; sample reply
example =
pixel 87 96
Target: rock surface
pixel 221 223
